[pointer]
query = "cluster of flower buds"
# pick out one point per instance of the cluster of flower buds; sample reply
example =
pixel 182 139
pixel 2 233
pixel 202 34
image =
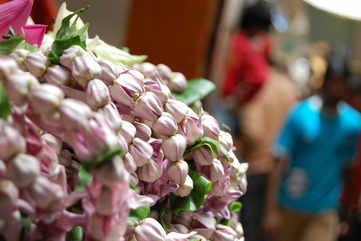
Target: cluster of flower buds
pixel 138 145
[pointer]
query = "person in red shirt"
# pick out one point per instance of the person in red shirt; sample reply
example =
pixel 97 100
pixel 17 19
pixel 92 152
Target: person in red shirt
pixel 250 47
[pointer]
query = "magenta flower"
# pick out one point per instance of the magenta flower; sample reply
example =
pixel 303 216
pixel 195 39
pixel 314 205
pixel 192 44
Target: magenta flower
pixel 15 14
pixel 34 33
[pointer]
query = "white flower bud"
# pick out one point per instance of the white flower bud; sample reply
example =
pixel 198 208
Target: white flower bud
pixel 57 75
pixel 19 85
pixel 174 147
pixel 97 94
pixel 23 169
pixel 68 56
pixel 37 63
pixel 177 82
pixel 178 171
pixel 45 99
pixel 186 188
pixel 19 55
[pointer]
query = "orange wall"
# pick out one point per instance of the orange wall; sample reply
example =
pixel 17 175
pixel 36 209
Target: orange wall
pixel 174 32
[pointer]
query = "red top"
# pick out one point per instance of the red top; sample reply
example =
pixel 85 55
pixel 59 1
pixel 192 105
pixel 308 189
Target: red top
pixel 247 67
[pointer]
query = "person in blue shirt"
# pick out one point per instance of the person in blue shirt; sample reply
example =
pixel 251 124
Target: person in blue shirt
pixel 317 143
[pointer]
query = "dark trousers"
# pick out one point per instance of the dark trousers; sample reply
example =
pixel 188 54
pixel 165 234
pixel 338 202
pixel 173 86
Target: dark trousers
pixel 253 207
pixel 354 233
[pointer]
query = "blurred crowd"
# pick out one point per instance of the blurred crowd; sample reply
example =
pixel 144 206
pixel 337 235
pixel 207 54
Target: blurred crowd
pixel 302 146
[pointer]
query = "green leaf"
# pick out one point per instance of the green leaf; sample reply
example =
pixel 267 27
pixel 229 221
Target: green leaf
pixel 84 178
pixel 131 186
pixel 68 35
pixel 7 46
pixel 161 218
pixel 180 204
pixel 196 90
pixel 103 157
pixel 59 45
pixel 225 222
pixel 195 199
pixel 201 186
pixel 76 234
pixel 5 108
pixel 234 206
pixel 212 144
pixel 140 213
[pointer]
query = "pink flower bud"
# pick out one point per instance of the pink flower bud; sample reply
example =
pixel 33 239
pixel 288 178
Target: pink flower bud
pixel 85 68
pixel 148 107
pixel 150 172
pixel 37 63
pixel 54 142
pixel 68 56
pixel 186 188
pixel 226 140
pixel 97 94
pixel 45 99
pixel 224 233
pixel 143 131
pixel 203 156
pixel 126 89
pixel 210 126
pixel 174 147
pixel 75 114
pixel 178 171
pixel 141 151
pixel 147 69
pixel 127 130
pixel 177 82
pixel 112 172
pixel 112 116
pixel 57 75
pixel 23 170
pixel 45 194
pixel 107 203
pixel 19 55
pixel 8 66
pixel 164 71
pixel 150 230
pixel 204 220
pixel 179 228
pixel 177 109
pixel 192 127
pixel 11 142
pixel 19 85
pixel 137 75
pixel 217 170
pixel 129 163
pixel 109 71
pixel 165 125
pixel 8 196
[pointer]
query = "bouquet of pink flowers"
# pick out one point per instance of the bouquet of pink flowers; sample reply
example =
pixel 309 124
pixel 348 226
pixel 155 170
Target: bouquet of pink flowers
pixel 96 144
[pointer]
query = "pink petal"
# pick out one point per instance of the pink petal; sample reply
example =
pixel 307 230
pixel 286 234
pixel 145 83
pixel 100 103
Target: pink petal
pixel 34 33
pixel 14 13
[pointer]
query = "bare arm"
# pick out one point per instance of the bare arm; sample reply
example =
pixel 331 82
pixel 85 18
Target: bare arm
pixel 271 223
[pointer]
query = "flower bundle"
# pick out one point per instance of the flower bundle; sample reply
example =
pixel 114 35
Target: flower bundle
pixel 96 144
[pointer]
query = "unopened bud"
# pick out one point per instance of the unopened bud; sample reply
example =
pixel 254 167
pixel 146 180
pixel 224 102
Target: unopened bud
pixel 37 63
pixel 217 170
pixel 150 172
pixel 177 82
pixel 150 230
pixel 45 99
pixel 165 125
pixel 19 85
pixel 177 109
pixel 178 171
pixel 19 55
pixel 174 147
pixel 97 94
pixel 141 151
pixel 85 68
pixel 23 169
pixel 148 107
pixel 186 188
pixel 57 75
pixel 68 56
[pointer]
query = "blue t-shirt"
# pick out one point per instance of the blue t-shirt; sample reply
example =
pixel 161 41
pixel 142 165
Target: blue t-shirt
pixel 318 147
